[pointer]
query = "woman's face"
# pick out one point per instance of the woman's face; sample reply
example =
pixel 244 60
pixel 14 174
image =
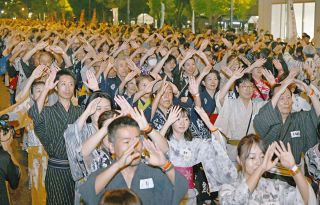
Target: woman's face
pixel 103 105
pixel 211 81
pixel 245 90
pixel 169 66
pixel 132 86
pixel 257 72
pixel 175 52
pixel 189 67
pixel 253 161
pixel 143 84
pixel 182 124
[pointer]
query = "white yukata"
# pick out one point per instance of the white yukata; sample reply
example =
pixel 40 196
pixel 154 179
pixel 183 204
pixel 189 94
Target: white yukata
pixel 218 168
pixel 233 120
pixel 267 192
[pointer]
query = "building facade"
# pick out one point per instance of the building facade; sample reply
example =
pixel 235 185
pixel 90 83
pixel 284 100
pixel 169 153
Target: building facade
pixel 273 17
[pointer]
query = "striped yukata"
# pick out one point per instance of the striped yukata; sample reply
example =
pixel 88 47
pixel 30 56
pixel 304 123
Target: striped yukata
pixel 299 129
pixel 49 125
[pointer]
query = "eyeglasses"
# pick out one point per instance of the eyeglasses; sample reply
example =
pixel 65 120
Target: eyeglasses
pixel 246 86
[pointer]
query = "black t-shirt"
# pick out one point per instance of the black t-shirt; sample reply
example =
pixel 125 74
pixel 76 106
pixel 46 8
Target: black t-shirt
pixel 8 172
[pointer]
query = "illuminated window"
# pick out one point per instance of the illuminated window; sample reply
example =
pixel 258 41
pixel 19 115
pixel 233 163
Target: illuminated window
pixel 304 14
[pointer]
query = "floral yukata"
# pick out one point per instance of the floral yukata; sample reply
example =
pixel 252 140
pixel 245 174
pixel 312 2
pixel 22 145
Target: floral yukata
pixel 267 192
pixel 218 167
pixel 81 167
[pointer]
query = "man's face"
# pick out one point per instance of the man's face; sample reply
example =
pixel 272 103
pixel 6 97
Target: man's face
pixel 122 142
pixel 122 68
pixel 167 98
pixel 285 102
pixel 65 87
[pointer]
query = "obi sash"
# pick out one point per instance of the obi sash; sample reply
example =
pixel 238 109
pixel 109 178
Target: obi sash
pixel 187 172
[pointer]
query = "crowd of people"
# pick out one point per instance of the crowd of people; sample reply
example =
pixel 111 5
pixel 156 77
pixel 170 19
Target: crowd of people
pixel 119 114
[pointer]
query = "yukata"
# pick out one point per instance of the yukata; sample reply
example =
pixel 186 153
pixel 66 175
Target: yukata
pixel 209 104
pixel 49 126
pixel 312 159
pixel 145 107
pixel 37 167
pixel 299 129
pixel 218 168
pixel 81 166
pixel 150 184
pixel 261 91
pixel 268 191
pixel 233 121
pixel 37 156
pixel 110 85
pixel 197 126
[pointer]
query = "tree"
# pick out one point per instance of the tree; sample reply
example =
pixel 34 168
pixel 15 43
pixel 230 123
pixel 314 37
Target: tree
pixel 215 9
pixel 175 10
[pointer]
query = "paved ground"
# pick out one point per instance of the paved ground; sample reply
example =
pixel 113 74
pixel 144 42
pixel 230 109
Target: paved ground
pixel 22 195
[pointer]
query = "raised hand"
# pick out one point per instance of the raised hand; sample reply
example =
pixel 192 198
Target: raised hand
pixel 269 76
pixel 50 84
pixel 125 107
pixel 92 82
pixel 238 73
pixel 267 163
pixel 193 86
pixel 92 107
pixel 139 117
pixel 277 64
pixel 302 86
pixel 174 114
pixel 155 156
pixel 285 155
pixel 41 45
pixel 39 71
pixel 129 155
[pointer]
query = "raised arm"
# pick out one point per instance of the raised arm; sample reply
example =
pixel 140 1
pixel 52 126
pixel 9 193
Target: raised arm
pixel 49 85
pixel 154 135
pixel 225 89
pixel 173 116
pixel 194 91
pixel 37 73
pixel 30 53
pixel 287 160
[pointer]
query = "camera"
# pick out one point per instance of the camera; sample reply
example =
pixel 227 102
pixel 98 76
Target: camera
pixel 5 124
